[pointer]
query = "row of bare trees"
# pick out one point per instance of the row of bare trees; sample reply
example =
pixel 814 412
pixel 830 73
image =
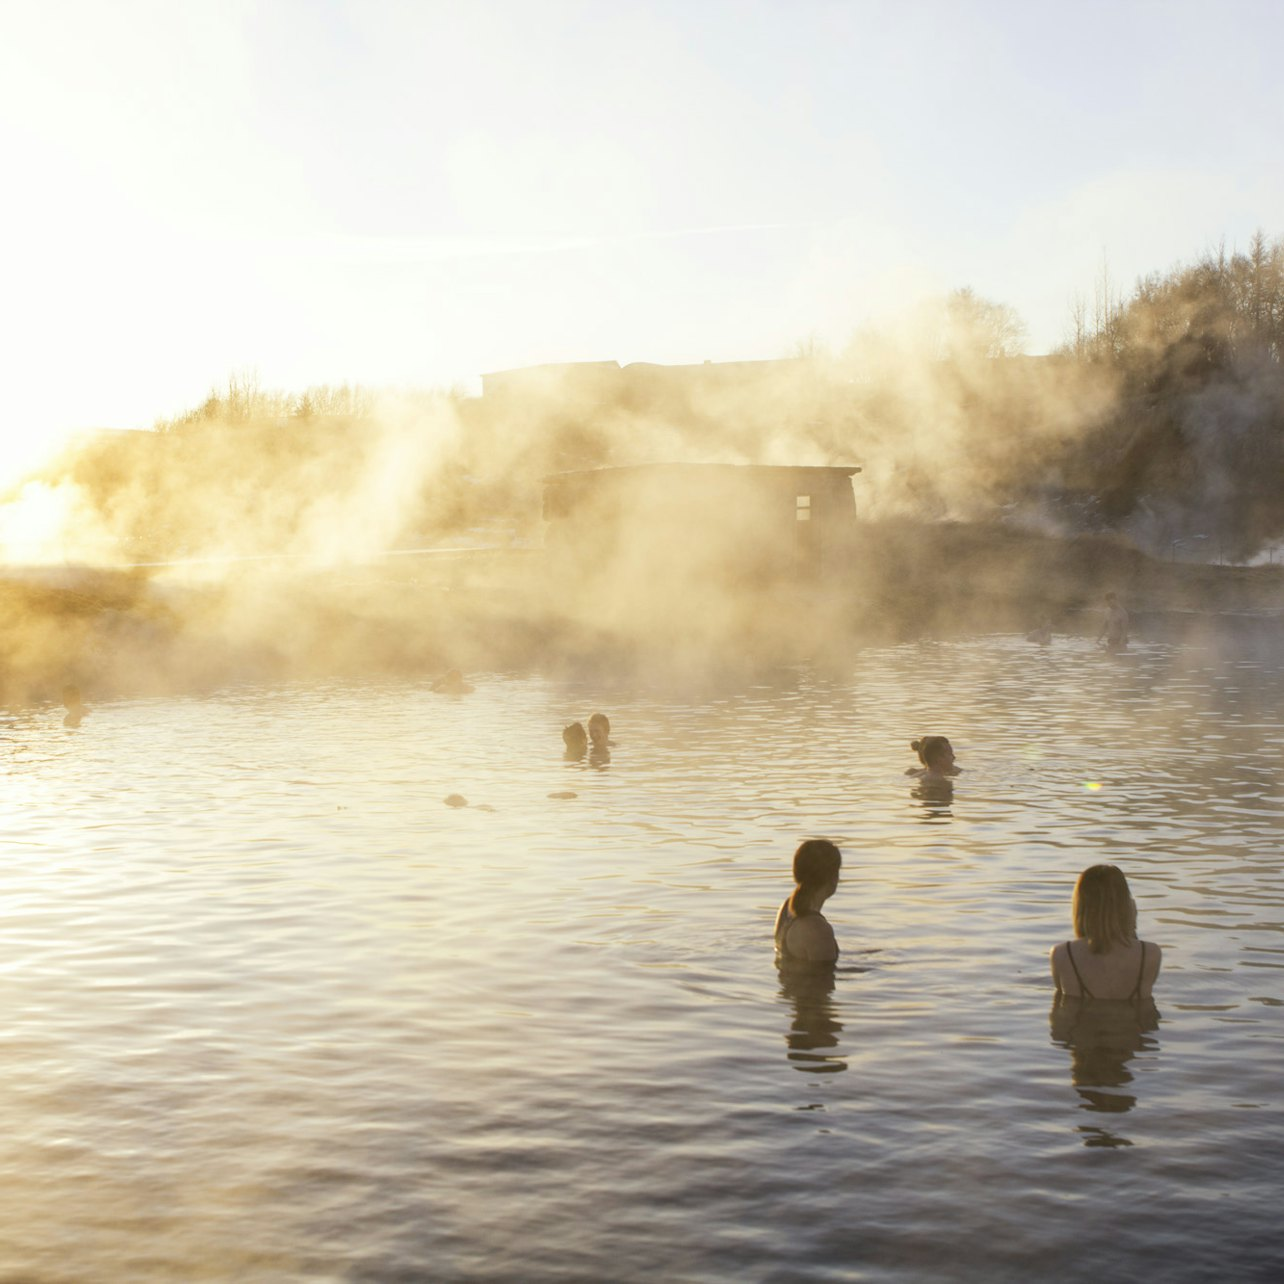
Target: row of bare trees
pixel 1193 446
pixel 1221 310
pixel 244 401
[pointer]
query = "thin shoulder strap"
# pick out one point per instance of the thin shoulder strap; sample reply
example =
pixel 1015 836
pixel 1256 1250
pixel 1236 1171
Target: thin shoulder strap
pixel 1083 989
pixel 1141 971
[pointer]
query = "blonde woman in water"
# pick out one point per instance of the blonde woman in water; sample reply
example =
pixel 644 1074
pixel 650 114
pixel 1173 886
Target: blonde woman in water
pixel 803 933
pixel 1105 960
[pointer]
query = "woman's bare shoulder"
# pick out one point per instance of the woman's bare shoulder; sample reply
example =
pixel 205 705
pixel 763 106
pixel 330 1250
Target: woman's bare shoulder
pixel 1063 974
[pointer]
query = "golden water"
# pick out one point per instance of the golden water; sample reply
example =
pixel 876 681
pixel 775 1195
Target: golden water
pixel 274 1010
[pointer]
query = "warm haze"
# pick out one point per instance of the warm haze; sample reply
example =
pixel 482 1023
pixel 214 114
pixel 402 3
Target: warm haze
pixel 807 389
pixel 411 195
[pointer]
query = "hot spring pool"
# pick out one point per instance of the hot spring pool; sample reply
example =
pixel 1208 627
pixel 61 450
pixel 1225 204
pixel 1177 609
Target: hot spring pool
pixel 276 1011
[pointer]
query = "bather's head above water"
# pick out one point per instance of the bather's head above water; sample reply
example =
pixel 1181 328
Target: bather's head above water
pixel 937 756
pixel 452 683
pixel 817 863
pixel 74 705
pixel 599 730
pixel 575 738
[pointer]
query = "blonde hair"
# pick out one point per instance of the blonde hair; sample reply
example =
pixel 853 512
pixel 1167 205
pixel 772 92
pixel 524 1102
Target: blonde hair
pixel 1103 910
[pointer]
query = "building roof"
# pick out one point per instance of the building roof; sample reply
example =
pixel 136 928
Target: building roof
pixel 554 367
pixel 645 470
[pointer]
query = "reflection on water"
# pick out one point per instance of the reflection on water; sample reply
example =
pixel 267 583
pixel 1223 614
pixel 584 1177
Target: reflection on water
pixel 814 1028
pixel 936 798
pixel 1103 1038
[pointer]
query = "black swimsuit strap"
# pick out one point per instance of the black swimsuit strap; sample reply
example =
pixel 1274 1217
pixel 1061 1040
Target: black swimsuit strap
pixel 1083 989
pixel 1141 971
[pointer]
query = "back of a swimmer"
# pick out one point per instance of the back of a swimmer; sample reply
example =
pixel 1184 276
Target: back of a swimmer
pixel 802 932
pixel 1106 960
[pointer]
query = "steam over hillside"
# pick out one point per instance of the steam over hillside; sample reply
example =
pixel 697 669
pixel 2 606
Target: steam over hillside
pixel 264 519
pixel 1162 419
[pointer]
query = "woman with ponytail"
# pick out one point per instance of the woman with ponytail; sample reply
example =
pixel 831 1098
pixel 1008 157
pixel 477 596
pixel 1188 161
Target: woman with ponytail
pixel 803 933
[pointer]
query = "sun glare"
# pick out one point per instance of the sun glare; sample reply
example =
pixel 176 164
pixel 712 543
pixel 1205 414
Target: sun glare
pixel 36 525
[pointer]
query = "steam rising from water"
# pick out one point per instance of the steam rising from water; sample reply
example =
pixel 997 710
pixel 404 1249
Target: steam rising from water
pixel 253 515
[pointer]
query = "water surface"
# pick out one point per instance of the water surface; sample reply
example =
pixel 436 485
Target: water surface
pixel 275 1010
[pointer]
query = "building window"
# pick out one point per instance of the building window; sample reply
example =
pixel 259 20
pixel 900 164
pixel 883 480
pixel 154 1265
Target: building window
pixel 802 508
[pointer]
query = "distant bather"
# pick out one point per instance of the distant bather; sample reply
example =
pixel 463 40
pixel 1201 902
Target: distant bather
pixel 74 705
pixel 452 683
pixel 1114 626
pixel 575 738
pixel 937 756
pixel 1041 634
pixel 599 730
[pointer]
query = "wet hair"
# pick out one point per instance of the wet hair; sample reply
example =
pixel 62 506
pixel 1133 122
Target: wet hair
pixel 599 720
pixel 1103 910
pixel 575 738
pixel 931 749
pixel 816 862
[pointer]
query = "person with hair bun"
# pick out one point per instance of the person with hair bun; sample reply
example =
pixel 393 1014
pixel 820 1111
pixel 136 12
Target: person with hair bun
pixel 1106 960
pixel 803 933
pixel 937 756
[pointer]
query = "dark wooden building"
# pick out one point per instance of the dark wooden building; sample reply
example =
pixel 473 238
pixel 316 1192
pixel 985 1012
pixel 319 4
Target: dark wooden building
pixel 732 522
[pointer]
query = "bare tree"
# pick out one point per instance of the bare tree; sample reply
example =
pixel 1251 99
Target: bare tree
pixel 1079 335
pixel 978 327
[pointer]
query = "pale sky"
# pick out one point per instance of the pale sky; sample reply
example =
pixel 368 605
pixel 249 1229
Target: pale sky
pixel 413 193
